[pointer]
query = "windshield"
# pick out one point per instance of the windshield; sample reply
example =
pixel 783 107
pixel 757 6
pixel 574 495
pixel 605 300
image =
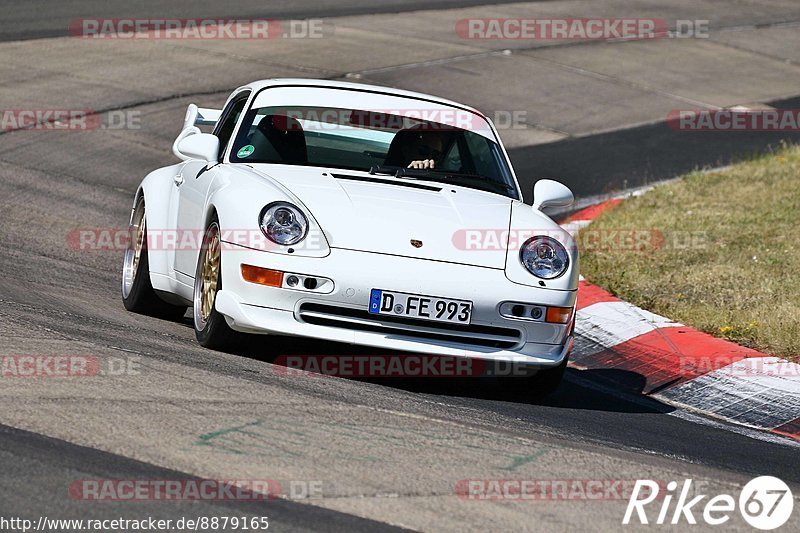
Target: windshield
pixel 383 143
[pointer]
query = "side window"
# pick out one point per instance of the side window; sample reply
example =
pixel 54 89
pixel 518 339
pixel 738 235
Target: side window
pixel 230 116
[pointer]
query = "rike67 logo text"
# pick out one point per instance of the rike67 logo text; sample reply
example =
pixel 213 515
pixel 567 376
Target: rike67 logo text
pixel 765 503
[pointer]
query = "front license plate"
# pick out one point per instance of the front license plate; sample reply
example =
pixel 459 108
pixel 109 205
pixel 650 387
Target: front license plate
pixel 420 307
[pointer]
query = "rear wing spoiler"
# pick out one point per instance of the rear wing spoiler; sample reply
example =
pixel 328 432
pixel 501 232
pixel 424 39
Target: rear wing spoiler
pixel 207 117
pixel 200 116
pixel 195 116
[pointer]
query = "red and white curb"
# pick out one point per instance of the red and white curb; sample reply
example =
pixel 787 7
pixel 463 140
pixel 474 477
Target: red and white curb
pixel 678 365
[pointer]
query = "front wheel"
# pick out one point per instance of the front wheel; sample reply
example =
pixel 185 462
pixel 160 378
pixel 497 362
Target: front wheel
pixel 210 327
pixel 545 382
pixel 137 291
pixel 535 387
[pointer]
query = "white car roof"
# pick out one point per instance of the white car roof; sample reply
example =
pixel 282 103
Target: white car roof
pixel 307 82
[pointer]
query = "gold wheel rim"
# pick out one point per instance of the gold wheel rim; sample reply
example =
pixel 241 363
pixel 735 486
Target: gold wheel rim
pixel 133 252
pixel 138 245
pixel 209 274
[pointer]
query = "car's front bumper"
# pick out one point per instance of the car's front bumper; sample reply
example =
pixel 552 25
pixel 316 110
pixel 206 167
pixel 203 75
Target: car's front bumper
pixel 341 315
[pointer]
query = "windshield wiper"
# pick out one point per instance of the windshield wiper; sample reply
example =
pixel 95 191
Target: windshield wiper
pixel 443 176
pixel 397 172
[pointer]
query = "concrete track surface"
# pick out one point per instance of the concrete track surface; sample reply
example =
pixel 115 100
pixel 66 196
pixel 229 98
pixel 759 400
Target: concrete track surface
pixel 386 454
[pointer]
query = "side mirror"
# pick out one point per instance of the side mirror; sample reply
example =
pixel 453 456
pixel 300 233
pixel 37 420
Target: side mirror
pixel 550 193
pixel 202 146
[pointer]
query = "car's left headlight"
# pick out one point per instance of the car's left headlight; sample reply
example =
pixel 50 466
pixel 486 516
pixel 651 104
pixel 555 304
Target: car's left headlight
pixel 544 257
pixel 283 223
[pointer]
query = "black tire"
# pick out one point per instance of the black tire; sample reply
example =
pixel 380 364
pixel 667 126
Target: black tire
pixel 540 385
pixel 547 381
pixel 528 388
pixel 138 295
pixel 534 387
pixel 213 332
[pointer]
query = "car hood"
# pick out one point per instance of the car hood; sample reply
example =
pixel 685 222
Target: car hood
pixel 410 218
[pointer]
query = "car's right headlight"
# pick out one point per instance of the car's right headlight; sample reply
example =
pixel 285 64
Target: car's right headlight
pixel 544 257
pixel 283 223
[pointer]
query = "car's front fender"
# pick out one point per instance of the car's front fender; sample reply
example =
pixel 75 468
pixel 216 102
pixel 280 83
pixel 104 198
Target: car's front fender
pixel 527 222
pixel 238 196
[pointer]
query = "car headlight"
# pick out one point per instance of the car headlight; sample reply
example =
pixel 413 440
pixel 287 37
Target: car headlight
pixel 544 257
pixel 283 223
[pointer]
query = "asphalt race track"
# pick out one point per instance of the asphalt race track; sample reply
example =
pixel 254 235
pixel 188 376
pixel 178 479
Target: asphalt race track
pixel 388 454
pixel 27 22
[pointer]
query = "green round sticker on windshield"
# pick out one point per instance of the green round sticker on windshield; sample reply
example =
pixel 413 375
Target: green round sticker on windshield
pixel 246 151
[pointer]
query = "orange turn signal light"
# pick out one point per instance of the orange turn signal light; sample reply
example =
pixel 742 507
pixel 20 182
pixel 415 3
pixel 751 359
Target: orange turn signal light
pixel 262 276
pixel 558 315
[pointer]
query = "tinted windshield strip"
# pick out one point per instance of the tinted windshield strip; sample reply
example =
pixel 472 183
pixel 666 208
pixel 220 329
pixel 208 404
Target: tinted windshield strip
pixel 382 93
pixel 387 182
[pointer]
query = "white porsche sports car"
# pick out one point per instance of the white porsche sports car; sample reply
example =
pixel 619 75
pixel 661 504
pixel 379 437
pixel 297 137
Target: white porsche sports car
pixel 357 214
